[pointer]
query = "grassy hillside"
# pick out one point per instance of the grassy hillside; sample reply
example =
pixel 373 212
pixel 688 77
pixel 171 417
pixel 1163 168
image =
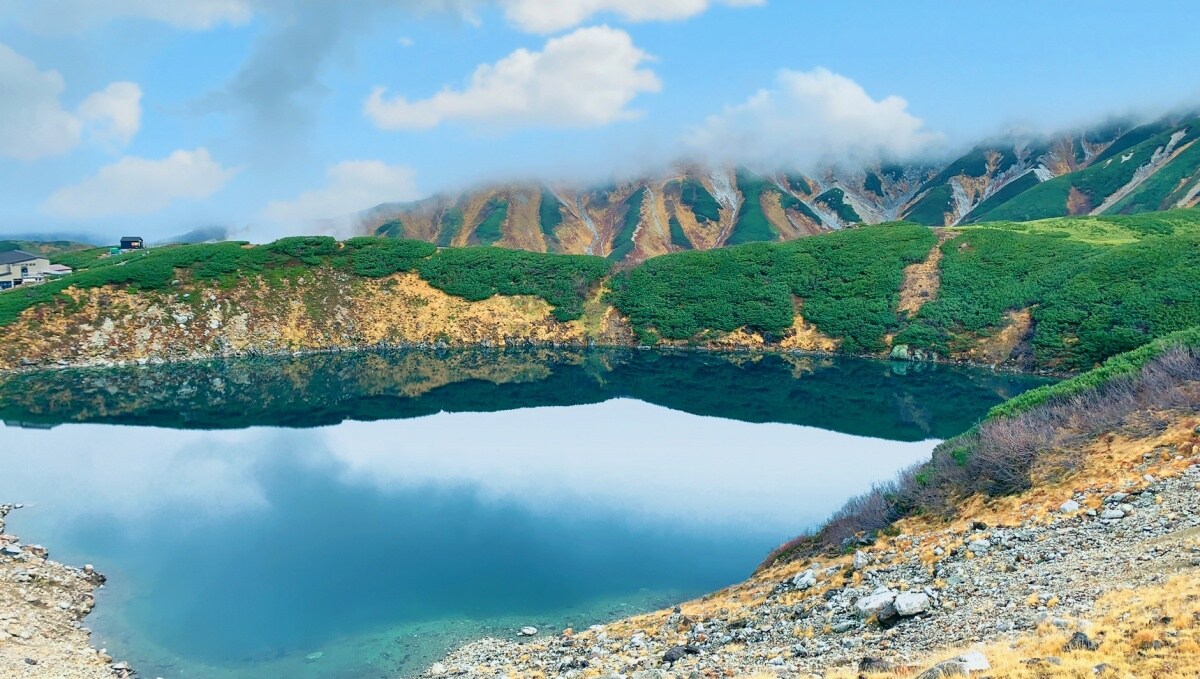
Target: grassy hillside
pixel 849 282
pixel 1088 287
pixel 1095 286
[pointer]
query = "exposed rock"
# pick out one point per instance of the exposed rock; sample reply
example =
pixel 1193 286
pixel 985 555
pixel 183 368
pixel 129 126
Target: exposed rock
pixel 1080 642
pixel 911 603
pixel 1069 507
pixel 879 605
pixel 676 653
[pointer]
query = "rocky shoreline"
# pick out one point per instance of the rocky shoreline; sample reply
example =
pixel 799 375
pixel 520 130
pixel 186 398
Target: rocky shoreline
pixel 42 607
pixel 937 600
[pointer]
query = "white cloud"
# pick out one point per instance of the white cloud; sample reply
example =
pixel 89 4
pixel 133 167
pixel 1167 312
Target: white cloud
pixel 548 16
pixel 114 113
pixel 811 116
pixel 34 124
pixel 58 16
pixel 139 186
pixel 354 185
pixel 584 79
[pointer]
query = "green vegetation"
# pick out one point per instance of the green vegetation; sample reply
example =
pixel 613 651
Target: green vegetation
pixel 1010 190
pixel 450 226
pixel 1160 191
pixel 790 202
pixel 479 273
pixel 931 209
pixel 680 296
pixel 678 238
pixel 623 244
pixel 391 229
pixel 799 183
pixel 379 257
pixel 752 225
pixel 973 164
pixel 873 184
pixel 835 199
pixel 550 217
pixel 490 228
pixel 699 200
pixel 1096 286
pixel 1096 182
pixel 1121 365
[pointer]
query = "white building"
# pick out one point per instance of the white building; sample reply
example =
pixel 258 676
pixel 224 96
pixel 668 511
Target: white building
pixel 21 268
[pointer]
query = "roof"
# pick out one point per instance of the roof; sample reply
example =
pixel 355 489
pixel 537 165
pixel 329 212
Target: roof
pixel 17 256
pixel 125 238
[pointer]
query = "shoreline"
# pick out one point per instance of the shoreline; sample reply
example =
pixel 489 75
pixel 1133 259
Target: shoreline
pixel 109 364
pixel 42 607
pixel 1032 581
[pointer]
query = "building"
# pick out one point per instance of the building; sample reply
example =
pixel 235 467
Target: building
pixel 132 243
pixel 21 268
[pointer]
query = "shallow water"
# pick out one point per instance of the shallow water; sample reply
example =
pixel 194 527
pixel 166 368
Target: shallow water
pixel 442 496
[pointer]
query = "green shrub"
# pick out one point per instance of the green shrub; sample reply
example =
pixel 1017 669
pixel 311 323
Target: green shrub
pixel 379 257
pixel 623 243
pixel 835 199
pixel 479 273
pixel 490 229
pixel 699 201
pixel 550 217
pixel 681 295
pixel 678 238
pixel 752 225
pixel 931 209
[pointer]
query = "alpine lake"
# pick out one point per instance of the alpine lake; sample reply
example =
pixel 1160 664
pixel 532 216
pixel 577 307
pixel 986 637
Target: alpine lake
pixel 359 515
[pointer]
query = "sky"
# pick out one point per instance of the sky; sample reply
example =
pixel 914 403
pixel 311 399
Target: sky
pixel 268 117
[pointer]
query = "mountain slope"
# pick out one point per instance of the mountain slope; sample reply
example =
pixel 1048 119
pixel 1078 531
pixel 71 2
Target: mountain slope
pixel 1116 168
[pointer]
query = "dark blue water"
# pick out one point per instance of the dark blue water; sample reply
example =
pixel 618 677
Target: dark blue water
pixel 366 549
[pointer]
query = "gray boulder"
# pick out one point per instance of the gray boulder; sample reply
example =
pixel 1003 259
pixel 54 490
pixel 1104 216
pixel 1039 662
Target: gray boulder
pixel 911 603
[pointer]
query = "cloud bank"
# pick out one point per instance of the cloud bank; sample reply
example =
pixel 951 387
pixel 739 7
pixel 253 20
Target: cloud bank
pixel 586 78
pixel 354 185
pixel 139 186
pixel 812 116
pixel 549 16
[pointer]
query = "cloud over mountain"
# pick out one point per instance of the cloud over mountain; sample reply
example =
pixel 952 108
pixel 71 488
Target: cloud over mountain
pixel 808 116
pixel 586 78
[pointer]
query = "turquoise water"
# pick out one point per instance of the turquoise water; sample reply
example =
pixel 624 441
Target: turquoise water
pixel 359 515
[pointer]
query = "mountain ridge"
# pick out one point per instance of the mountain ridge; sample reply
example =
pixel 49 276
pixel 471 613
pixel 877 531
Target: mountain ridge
pixel 1114 168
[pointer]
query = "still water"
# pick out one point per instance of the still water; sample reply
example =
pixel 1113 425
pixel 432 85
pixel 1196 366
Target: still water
pixel 359 515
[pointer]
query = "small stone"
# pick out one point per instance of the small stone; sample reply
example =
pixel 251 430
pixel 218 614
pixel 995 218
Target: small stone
pixel 1112 514
pixel 121 666
pixel 1069 507
pixel 527 632
pixel 980 546
pixel 313 657
pixel 438 669
pixel 974 662
pixel 875 666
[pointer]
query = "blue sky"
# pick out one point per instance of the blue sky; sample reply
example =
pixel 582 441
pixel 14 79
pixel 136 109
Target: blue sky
pixel 268 116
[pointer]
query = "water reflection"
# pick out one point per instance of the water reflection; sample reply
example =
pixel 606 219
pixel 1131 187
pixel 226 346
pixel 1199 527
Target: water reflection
pixel 380 543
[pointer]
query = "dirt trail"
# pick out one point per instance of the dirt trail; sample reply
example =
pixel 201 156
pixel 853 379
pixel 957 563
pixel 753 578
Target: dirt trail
pixel 923 279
